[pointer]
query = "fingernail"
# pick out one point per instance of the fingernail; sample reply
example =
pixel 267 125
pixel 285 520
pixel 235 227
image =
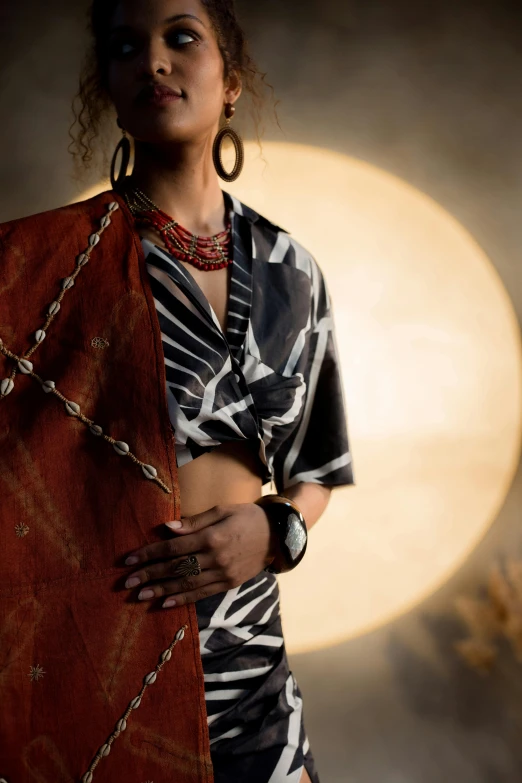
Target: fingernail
pixel 132 581
pixel 132 560
pixel 174 525
pixel 145 595
pixel 169 602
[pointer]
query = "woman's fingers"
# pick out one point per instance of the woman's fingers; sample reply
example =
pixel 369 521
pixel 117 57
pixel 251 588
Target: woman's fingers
pixel 163 570
pixel 188 588
pixel 172 547
pixel 190 597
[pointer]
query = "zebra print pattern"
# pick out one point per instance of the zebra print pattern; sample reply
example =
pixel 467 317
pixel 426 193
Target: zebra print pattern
pixel 254 704
pixel 272 380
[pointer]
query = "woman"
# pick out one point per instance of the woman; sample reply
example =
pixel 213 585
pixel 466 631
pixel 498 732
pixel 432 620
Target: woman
pixel 253 394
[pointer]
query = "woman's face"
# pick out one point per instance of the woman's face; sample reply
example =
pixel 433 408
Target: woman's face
pixel 171 43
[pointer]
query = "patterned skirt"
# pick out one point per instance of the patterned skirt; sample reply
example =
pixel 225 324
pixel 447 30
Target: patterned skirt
pixel 254 704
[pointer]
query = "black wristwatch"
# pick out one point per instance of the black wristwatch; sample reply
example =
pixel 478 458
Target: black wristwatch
pixel 289 525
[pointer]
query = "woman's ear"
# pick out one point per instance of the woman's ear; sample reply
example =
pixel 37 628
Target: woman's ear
pixel 233 87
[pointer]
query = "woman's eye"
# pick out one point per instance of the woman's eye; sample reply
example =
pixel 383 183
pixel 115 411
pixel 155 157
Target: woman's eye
pixel 125 48
pixel 121 49
pixel 181 38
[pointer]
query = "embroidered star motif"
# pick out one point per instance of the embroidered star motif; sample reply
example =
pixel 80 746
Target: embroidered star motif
pixel 100 342
pixel 36 673
pixel 21 530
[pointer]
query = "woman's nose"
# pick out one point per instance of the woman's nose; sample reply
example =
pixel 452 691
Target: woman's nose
pixel 155 59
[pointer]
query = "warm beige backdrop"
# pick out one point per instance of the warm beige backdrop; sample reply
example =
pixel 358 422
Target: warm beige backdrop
pixel 430 93
pixel 432 368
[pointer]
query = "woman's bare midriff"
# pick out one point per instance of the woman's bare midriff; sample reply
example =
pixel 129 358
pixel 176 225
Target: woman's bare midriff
pixel 224 476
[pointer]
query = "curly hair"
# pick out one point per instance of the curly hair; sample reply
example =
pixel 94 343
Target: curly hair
pixel 92 101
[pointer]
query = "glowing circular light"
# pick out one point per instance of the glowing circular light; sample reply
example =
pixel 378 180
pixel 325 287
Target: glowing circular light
pixel 432 369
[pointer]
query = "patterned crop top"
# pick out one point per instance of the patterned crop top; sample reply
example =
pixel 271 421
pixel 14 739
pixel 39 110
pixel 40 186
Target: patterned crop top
pixel 273 379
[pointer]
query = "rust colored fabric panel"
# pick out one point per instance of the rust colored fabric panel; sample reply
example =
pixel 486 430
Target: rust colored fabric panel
pixel 74 646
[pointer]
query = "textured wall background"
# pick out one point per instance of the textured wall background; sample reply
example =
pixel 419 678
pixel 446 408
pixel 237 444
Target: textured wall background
pixel 430 92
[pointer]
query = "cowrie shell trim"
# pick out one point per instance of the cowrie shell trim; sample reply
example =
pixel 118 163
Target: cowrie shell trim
pixel 121 725
pixel 68 282
pixel 121 448
pixel 26 367
pixel 6 387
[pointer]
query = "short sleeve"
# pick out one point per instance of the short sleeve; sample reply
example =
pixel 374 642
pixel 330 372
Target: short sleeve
pixel 318 450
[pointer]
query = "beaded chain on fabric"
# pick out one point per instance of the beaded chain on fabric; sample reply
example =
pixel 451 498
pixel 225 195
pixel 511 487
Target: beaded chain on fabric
pixel 23 365
pixel 205 253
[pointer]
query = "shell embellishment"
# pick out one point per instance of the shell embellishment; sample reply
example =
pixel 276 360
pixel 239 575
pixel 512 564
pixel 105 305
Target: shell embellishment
pixel 150 472
pixel 121 725
pixel 72 408
pixel 6 387
pixel 25 366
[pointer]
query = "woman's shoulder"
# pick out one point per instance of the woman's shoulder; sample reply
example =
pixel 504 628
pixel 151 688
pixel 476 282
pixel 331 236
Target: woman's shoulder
pixel 275 244
pixel 76 216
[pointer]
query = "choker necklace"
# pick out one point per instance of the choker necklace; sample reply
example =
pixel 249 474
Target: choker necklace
pixel 205 253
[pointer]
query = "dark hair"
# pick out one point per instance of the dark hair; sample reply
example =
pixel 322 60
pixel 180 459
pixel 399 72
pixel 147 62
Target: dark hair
pixel 93 101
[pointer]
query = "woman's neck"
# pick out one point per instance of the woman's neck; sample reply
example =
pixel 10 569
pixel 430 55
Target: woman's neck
pixel 184 184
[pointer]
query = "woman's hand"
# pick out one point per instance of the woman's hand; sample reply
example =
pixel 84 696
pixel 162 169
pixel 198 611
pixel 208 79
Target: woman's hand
pixel 232 543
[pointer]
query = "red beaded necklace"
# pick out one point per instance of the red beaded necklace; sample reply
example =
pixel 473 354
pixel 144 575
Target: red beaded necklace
pixel 205 253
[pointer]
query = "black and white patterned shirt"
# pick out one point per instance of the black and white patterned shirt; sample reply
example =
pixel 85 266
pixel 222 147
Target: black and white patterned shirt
pixel 273 380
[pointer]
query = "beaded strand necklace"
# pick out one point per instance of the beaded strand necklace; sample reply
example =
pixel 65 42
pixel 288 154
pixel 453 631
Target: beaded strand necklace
pixel 205 253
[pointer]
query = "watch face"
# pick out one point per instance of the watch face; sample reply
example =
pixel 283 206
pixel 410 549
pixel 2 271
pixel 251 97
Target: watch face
pixel 296 536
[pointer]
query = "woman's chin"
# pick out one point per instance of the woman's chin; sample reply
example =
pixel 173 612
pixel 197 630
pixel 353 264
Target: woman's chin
pixel 162 134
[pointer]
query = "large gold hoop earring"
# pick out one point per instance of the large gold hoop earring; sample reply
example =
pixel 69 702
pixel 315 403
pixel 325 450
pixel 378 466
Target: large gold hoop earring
pixel 124 146
pixel 237 141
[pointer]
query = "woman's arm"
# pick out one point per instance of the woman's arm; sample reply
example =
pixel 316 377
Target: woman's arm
pixel 311 499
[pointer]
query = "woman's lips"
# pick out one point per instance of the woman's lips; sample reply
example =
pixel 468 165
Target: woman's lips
pixel 158 95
